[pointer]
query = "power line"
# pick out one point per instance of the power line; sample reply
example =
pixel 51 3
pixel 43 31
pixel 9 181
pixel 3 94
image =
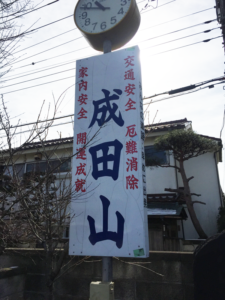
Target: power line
pixel 74 75
pixel 48 49
pixel 140 30
pixel 139 42
pixel 198 12
pixel 45 40
pixel 186 88
pixel 49 24
pixel 178 30
pixel 190 92
pixel 143 29
pixel 34 63
pixel 144 49
pixel 199 24
pixel 46 69
pixel 147 11
pixel 204 41
pixel 172 92
pixel 206 22
pixel 38 78
pixel 2 136
pixel 29 87
pixel 181 38
pixel 37 122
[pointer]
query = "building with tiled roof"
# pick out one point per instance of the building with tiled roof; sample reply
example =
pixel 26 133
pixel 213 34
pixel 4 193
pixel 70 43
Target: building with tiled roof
pixel 170 227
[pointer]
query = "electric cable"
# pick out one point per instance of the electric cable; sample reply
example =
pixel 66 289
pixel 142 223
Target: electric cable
pixel 206 22
pixel 2 136
pixel 171 92
pixel 45 40
pixel 190 92
pixel 184 37
pixel 29 87
pixel 37 122
pixel 163 99
pixel 155 37
pixel 200 11
pixel 139 42
pixel 38 78
pixel 142 29
pixel 199 24
pixel 74 75
pixel 178 30
pixel 24 74
pixel 204 41
pixel 186 88
pixel 48 24
pixel 153 25
pixel 51 49
pixel 34 63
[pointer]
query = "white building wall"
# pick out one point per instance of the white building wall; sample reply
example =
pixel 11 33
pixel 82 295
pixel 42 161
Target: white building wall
pixel 205 182
pixel 157 179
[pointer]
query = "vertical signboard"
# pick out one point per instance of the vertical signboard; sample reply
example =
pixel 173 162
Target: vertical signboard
pixel 108 209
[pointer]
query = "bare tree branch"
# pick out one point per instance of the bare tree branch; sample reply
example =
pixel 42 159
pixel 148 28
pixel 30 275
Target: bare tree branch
pixel 200 202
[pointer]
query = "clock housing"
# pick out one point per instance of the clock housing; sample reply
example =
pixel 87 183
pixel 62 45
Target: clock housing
pixel 113 20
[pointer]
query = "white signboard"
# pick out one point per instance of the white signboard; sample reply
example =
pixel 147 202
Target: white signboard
pixel 109 206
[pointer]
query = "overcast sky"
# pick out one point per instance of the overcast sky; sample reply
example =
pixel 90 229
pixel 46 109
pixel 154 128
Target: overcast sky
pixel 161 72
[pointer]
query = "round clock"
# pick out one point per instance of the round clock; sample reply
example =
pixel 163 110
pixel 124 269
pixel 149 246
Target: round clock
pixel 116 21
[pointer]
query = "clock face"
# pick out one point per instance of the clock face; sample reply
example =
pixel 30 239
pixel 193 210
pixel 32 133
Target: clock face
pixel 98 16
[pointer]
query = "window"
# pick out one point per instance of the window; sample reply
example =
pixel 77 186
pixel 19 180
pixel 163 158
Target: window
pixel 56 165
pixel 60 167
pixel 154 157
pixel 39 167
pixel 16 170
pixel 19 169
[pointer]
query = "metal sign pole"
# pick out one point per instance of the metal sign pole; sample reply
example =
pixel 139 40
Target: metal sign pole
pixel 107 46
pixel 107 269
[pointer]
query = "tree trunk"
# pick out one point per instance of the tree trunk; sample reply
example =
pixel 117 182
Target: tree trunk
pixel 188 200
pixel 48 271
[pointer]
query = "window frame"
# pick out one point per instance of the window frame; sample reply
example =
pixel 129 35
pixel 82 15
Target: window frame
pixel 166 161
pixel 24 166
pixel 64 160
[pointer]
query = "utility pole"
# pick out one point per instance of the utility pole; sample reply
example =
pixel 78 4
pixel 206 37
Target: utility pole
pixel 220 12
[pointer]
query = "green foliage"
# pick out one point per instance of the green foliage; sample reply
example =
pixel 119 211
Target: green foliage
pixel 185 144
